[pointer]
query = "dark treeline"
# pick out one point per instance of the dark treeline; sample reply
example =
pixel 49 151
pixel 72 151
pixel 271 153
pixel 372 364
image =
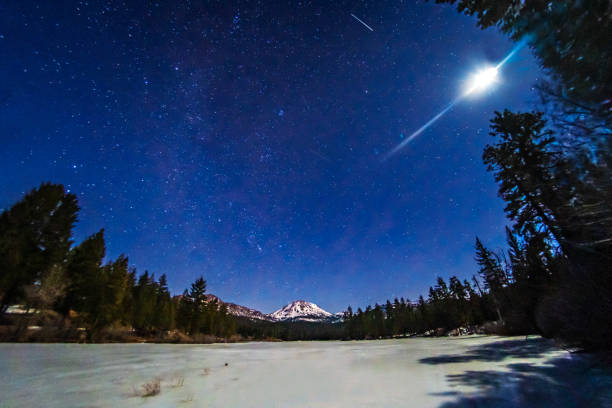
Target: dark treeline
pixel 449 306
pixel 72 287
pixel 290 330
pixel 509 289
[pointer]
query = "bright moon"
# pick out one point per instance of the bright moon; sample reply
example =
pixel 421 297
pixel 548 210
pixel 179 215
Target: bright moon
pixel 482 80
pixel 477 83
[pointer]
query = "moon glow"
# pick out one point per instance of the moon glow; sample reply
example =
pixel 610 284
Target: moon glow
pixel 482 80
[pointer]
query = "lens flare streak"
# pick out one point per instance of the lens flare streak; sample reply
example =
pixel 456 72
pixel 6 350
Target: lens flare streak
pixel 516 49
pixel 487 79
pixel 420 130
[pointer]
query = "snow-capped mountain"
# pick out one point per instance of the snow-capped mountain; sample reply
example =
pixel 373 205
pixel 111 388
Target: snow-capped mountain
pixel 301 310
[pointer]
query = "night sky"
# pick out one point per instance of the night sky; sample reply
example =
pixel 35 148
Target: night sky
pixel 243 140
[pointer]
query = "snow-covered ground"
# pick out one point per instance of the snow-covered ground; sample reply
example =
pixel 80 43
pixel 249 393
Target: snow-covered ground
pixel 446 372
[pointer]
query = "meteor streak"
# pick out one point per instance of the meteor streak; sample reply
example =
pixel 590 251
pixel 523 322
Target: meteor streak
pixel 358 19
pixel 478 82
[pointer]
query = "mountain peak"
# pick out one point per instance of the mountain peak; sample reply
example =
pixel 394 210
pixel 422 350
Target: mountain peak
pixel 300 310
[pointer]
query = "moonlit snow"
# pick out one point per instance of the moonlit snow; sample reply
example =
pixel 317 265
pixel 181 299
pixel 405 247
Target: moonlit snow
pixel 445 372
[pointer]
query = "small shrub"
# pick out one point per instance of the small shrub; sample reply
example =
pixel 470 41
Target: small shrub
pixel 151 388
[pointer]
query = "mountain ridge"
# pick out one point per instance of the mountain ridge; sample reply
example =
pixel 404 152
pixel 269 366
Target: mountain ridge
pixel 298 310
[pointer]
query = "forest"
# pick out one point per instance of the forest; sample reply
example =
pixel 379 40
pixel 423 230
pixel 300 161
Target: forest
pixel 43 270
pixel 552 168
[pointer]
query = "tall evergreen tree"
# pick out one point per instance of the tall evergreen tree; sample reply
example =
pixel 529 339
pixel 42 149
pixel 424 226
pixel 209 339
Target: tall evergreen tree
pixel 543 194
pixel 145 302
pixel 35 235
pixel 82 271
pixel 163 305
pixel 184 311
pixel 492 274
pixel 193 308
pixel 391 315
pixel 102 301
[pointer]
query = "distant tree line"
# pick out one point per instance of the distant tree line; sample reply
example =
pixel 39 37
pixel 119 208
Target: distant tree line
pixel 289 330
pixel 448 306
pixel 42 269
pixel 509 288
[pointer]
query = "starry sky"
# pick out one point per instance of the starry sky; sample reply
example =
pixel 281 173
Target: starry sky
pixel 243 140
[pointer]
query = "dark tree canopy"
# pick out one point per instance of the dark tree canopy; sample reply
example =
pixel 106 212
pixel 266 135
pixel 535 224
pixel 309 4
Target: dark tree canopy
pixel 570 38
pixel 35 235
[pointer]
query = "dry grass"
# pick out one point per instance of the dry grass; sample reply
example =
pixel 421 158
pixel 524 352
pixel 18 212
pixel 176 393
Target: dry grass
pixel 187 399
pixel 180 381
pixel 151 389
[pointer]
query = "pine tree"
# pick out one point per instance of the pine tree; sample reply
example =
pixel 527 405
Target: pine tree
pixel 82 270
pixel 475 315
pixel 544 194
pixel 378 322
pixel 193 308
pixel 35 235
pixel 114 283
pixel 184 311
pixel 492 274
pixel 101 300
pixel 129 302
pixel 400 318
pixel 458 303
pixel 423 315
pixel 390 318
pixel 145 294
pixel 521 161
pixel 163 309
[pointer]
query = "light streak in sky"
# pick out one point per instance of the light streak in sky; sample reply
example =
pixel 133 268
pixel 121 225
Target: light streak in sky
pixel 478 83
pixel 516 49
pixel 420 130
pixel 358 19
